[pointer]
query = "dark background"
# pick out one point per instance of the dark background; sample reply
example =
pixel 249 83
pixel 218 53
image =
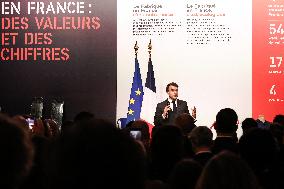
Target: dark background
pixel 86 82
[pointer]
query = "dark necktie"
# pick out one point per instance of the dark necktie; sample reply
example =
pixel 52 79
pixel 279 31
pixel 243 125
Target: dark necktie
pixel 174 106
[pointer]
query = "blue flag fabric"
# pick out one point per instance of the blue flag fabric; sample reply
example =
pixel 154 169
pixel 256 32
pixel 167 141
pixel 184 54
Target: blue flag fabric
pixel 150 80
pixel 136 95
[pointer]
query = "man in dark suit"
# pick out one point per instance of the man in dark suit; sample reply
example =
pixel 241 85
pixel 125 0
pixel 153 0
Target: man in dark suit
pixel 226 126
pixel 168 110
pixel 201 139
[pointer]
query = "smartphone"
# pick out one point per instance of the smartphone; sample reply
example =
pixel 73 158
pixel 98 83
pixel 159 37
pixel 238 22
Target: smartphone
pixel 30 122
pixel 136 135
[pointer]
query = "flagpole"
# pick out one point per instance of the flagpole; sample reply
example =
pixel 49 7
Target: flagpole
pixel 150 49
pixel 136 49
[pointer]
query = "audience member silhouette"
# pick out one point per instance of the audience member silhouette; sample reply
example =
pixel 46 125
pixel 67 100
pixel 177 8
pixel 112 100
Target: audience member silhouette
pixel 16 153
pixel 248 123
pixel 279 119
pixel 226 127
pixel 95 154
pixel 186 123
pixel 83 116
pixel 262 123
pixel 259 149
pixel 227 171
pixel 37 179
pixel 22 122
pixel 143 127
pixel 167 148
pixel 277 129
pixel 185 174
pixel 202 140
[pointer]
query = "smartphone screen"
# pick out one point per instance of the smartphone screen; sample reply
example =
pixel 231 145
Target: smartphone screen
pixel 30 122
pixel 136 135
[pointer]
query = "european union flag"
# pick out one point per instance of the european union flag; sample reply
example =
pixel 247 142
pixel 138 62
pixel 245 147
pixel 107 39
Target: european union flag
pixel 136 95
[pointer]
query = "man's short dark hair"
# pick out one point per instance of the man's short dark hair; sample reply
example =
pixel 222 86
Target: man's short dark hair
pixel 83 116
pixel 201 136
pixel 185 122
pixel 279 119
pixel 171 84
pixel 249 123
pixel 226 121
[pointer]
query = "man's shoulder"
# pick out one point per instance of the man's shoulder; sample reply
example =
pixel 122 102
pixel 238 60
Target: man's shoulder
pixel 162 103
pixel 181 101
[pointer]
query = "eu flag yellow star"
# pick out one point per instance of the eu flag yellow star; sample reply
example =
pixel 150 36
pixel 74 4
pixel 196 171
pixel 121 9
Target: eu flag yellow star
pixel 130 112
pixel 131 101
pixel 138 92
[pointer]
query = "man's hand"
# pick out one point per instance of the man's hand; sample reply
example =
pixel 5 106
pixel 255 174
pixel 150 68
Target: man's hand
pixel 193 113
pixel 166 111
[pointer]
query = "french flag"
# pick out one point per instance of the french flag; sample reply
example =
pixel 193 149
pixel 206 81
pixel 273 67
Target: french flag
pixel 150 97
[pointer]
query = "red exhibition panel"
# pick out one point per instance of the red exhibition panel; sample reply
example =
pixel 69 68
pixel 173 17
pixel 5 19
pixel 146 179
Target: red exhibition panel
pixel 267 58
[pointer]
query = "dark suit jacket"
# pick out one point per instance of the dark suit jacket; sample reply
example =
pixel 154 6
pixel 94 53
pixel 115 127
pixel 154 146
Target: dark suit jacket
pixel 158 118
pixel 225 143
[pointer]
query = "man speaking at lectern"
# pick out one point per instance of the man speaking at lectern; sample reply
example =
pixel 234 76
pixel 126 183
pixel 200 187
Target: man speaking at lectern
pixel 168 110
